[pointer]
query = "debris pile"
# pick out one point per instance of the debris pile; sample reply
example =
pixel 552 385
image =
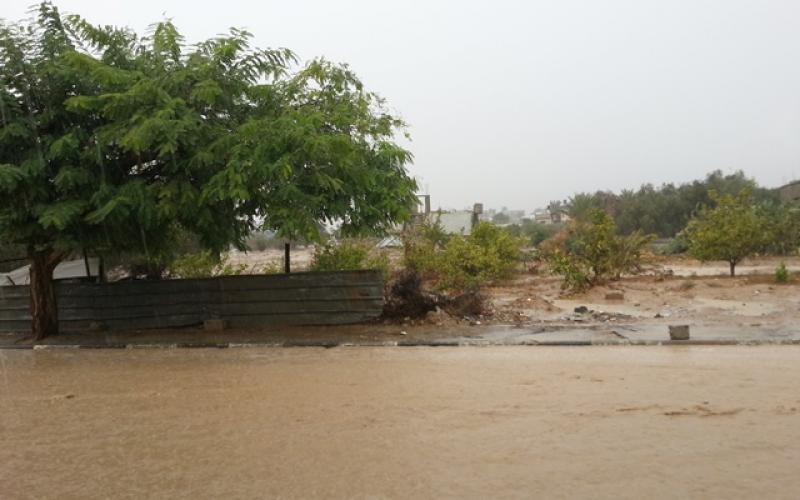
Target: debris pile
pixel 583 314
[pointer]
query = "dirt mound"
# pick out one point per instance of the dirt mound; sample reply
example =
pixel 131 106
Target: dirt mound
pixel 440 317
pixel 469 304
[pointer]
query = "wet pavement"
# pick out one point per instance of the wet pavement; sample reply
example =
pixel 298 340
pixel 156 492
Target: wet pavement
pixel 609 333
pixel 362 422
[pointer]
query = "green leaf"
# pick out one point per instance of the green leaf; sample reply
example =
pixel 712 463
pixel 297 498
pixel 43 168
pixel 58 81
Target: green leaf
pixel 62 214
pixel 10 177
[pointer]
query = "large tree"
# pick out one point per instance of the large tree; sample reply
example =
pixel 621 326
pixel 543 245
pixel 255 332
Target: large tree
pixel 115 142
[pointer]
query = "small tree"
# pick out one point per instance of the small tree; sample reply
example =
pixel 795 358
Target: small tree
pixel 731 231
pixel 462 263
pixel 590 250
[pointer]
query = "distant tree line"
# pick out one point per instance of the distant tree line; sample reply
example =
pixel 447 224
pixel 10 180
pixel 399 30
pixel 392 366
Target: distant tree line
pixel 666 210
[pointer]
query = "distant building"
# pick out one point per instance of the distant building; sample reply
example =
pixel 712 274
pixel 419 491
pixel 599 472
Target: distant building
pixel 452 221
pixel 559 217
pixel 456 222
pixel 541 216
pixel 514 216
pixel 545 216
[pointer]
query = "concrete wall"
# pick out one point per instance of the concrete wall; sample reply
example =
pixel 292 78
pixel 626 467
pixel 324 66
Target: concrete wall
pixel 456 222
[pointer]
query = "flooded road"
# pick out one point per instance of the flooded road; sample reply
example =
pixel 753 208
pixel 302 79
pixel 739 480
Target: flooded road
pixel 495 422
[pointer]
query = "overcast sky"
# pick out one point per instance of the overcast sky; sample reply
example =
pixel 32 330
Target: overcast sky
pixel 516 103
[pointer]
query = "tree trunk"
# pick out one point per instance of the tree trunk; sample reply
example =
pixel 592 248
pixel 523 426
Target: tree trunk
pixel 44 308
pixel 733 268
pixel 287 258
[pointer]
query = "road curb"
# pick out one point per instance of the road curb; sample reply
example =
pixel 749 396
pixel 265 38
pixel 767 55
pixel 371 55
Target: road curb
pixel 407 343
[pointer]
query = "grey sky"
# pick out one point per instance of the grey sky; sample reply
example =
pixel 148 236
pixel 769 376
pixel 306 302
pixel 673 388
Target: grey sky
pixel 515 103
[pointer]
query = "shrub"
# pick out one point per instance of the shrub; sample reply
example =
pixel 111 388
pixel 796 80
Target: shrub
pixel 195 265
pixel 590 251
pixel 273 267
pixel 782 274
pixel 672 246
pixel 627 253
pixel 204 264
pixel 421 242
pixel 574 271
pixel 348 255
pixel 461 263
pixel 534 232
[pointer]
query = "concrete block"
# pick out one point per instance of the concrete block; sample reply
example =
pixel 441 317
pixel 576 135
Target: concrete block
pixel 679 332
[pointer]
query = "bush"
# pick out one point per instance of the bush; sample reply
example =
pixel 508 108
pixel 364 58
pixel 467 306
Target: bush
pixel 273 267
pixel 591 251
pixel 782 274
pixel 534 233
pixel 574 272
pixel 204 264
pixel 462 263
pixel 348 255
pixel 671 246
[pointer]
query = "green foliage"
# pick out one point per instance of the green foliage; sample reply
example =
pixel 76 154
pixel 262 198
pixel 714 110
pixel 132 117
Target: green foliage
pixel 782 274
pixel 462 263
pixel 113 139
pixel 730 231
pixel 197 265
pixel 501 218
pixel 349 255
pixel 590 250
pixel 274 267
pixel 573 270
pixel 672 246
pixel 628 253
pixel 664 210
pixel 782 227
pixel 533 232
pixel 11 257
pixel 421 242
pixel 205 264
pixel 112 142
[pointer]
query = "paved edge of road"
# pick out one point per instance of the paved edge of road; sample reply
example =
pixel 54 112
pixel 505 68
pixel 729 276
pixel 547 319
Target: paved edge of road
pixel 407 343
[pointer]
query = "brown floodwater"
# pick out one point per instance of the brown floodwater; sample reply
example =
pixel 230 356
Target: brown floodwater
pixel 495 422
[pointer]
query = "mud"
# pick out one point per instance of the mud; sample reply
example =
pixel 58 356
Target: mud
pixel 604 422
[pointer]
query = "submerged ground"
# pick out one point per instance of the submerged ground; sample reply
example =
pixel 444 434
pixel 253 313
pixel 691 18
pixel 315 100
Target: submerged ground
pixel 531 308
pixel 488 422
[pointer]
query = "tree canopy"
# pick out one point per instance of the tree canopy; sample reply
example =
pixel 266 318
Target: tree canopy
pixel 112 141
pixel 729 231
pixel 664 210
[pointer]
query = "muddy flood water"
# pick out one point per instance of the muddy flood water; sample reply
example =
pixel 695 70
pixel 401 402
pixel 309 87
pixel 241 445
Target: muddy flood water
pixel 499 422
